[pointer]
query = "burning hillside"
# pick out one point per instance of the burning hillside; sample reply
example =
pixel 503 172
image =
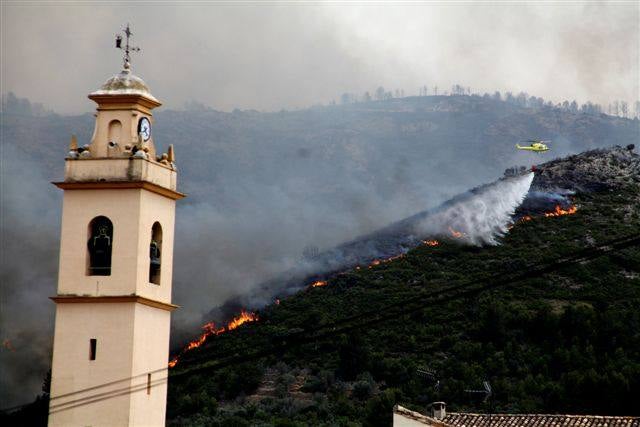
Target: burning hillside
pixel 480 216
pixel 441 214
pixel 559 284
pixel 210 329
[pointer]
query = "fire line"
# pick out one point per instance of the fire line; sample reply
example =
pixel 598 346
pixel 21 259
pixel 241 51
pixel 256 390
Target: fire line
pixel 210 329
pixel 245 316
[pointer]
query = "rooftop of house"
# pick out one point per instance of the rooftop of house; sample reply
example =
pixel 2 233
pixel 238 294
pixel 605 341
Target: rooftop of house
pixel 454 419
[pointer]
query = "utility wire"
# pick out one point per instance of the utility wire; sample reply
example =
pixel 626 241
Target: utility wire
pixel 496 279
pixel 276 348
pixel 300 338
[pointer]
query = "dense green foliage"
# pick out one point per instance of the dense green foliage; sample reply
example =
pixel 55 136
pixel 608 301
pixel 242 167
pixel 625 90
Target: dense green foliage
pixel 383 148
pixel 567 341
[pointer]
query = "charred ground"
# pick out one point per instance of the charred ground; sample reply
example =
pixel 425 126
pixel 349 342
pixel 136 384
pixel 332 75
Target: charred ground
pixel 563 339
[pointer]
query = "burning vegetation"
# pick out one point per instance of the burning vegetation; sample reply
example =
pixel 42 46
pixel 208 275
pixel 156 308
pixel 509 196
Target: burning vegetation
pixel 245 316
pixel 455 233
pixel 384 261
pixel 368 362
pixel 560 212
pixel 211 329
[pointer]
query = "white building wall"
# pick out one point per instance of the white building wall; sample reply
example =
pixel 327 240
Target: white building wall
pixel 150 355
pixel 133 213
pixel 79 207
pixel 92 392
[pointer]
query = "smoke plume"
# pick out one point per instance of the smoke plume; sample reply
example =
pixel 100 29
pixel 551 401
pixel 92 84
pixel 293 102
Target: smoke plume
pixel 479 217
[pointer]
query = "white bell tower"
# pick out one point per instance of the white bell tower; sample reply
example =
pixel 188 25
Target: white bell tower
pixel 113 305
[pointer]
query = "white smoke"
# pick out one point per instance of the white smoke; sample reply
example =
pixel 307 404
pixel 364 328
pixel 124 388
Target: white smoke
pixel 483 217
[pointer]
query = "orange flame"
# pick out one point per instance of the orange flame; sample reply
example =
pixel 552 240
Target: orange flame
pixel 521 220
pixel 382 261
pixel 431 242
pixel 210 329
pixel 239 320
pixel 319 283
pixel 559 211
pixel 456 234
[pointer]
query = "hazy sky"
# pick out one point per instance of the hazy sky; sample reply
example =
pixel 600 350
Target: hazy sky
pixel 284 55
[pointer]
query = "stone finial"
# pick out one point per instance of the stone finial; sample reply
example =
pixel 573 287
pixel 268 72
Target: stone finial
pixel 171 156
pixel 73 145
pixel 73 148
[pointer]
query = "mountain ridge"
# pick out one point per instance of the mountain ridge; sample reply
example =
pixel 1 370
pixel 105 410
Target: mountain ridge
pixel 264 187
pixel 559 342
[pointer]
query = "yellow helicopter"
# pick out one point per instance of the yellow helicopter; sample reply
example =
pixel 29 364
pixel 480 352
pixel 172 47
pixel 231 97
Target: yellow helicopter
pixel 535 145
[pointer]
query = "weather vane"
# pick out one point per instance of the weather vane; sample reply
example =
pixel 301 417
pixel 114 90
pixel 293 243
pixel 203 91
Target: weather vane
pixel 127 49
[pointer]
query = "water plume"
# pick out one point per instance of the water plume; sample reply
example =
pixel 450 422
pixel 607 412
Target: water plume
pixel 482 217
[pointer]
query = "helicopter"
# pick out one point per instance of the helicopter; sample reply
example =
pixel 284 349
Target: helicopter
pixel 535 145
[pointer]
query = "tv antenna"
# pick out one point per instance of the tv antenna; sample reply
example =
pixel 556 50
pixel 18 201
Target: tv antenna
pixel 127 48
pixel 488 395
pixel 486 391
pixel 430 375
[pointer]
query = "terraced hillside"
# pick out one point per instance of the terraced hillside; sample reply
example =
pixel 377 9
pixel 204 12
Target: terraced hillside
pixel 549 317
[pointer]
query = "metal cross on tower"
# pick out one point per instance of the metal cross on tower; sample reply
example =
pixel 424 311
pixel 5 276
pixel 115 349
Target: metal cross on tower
pixel 127 49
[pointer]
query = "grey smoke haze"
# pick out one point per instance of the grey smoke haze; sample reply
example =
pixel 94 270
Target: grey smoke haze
pixel 251 217
pixel 262 188
pixel 481 216
pixel 263 203
pixel 273 56
pixel 29 226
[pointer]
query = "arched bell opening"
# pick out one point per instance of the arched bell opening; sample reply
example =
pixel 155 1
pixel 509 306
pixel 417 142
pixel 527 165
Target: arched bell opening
pixel 115 134
pixel 155 251
pixel 99 246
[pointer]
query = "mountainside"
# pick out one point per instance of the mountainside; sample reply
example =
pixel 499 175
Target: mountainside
pixel 265 190
pixel 437 131
pixel 549 317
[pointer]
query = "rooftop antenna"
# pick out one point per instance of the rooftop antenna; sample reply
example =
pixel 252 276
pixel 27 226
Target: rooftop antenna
pixel 127 48
pixel 488 395
pixel 431 376
pixel 437 409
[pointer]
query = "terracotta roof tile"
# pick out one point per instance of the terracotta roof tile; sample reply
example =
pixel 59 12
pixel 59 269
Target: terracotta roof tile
pixel 529 420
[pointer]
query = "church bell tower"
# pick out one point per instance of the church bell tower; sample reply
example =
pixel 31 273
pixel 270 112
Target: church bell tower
pixel 113 304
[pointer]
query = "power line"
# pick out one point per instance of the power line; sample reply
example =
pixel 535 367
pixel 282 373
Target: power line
pixel 494 280
pixel 299 338
pixel 305 336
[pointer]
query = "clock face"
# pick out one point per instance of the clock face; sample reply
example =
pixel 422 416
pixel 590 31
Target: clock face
pixel 144 128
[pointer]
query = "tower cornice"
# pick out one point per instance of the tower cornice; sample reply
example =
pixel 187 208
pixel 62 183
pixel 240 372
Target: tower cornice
pixel 123 172
pixel 108 101
pixel 110 185
pixel 71 299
